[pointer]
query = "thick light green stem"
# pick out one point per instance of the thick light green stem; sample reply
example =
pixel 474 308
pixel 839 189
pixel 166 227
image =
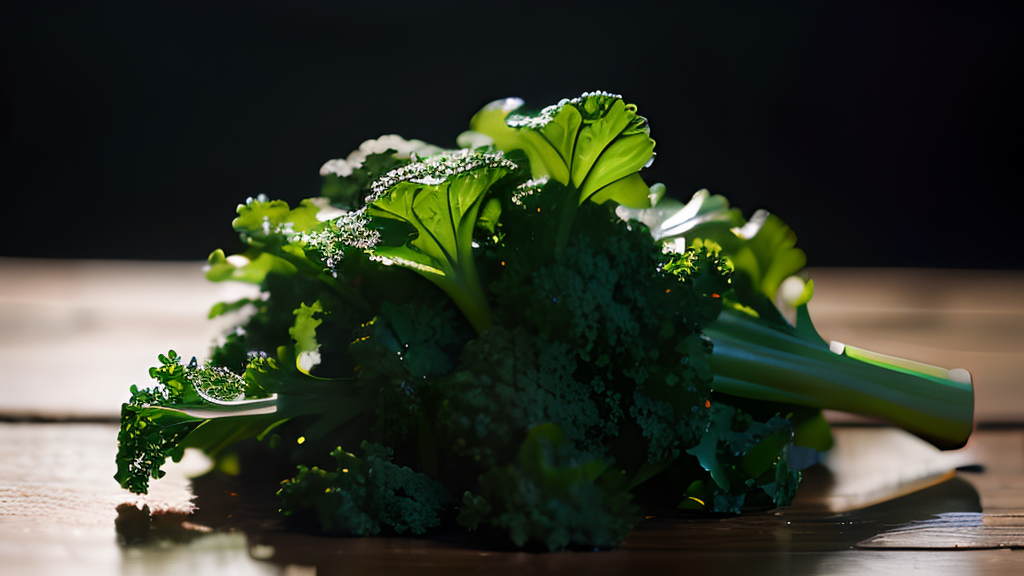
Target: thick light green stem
pixel 463 287
pixel 570 205
pixel 754 360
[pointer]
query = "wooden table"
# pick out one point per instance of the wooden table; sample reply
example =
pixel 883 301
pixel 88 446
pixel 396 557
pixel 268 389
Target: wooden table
pixel 74 335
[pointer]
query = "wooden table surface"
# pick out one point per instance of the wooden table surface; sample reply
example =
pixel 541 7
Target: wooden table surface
pixel 75 334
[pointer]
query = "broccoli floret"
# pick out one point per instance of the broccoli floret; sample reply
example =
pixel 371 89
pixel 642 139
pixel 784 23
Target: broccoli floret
pixel 551 494
pixel 365 496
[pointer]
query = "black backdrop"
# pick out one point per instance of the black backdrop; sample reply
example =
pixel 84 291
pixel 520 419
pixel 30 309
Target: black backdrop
pixel 884 133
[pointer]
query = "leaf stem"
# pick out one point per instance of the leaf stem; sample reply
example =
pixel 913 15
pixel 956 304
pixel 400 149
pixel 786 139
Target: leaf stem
pixel 565 221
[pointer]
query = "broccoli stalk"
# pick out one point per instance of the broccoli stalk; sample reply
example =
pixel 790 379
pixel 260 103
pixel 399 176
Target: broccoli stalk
pixel 755 359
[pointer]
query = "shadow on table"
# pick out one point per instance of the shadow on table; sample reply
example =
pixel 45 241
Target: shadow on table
pixel 800 535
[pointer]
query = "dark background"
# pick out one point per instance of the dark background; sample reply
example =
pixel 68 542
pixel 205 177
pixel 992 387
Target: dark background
pixel 884 133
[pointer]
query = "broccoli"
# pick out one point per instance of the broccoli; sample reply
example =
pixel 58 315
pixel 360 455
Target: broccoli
pixel 759 354
pixel 520 336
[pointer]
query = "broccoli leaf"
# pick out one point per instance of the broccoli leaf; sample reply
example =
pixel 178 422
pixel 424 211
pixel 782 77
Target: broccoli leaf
pixel 762 251
pixel 277 236
pixel 261 219
pixel 595 143
pixel 157 422
pixel 210 408
pixel 423 216
pixel 251 267
pixel 747 461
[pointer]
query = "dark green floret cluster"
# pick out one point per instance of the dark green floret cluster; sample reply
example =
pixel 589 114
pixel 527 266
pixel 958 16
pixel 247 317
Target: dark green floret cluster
pixel 519 336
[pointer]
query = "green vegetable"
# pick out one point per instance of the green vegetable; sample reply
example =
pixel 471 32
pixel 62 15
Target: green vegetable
pixel 759 355
pixel 513 338
pixel 362 496
pixel 422 216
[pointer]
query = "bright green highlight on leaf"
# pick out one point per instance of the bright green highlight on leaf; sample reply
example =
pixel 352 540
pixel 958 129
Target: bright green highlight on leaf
pixel 596 144
pixel 242 268
pixel 261 217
